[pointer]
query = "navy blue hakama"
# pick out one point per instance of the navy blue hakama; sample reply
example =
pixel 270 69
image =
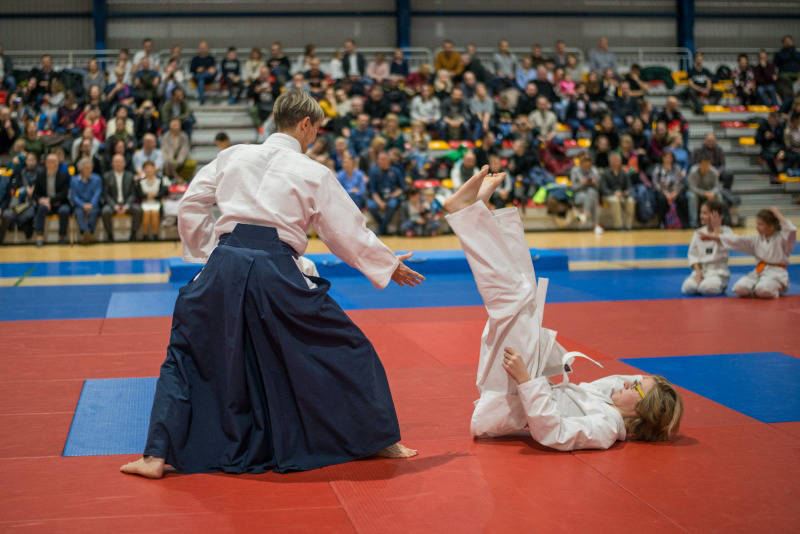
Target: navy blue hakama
pixel 263 373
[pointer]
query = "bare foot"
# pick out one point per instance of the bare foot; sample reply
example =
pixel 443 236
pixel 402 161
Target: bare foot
pixel 148 467
pixel 467 194
pixel 489 184
pixel 398 450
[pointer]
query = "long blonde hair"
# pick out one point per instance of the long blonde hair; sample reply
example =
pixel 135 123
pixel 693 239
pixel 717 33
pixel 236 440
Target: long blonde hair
pixel 658 414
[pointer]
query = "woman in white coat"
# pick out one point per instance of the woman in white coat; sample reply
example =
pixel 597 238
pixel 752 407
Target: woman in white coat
pixel 517 354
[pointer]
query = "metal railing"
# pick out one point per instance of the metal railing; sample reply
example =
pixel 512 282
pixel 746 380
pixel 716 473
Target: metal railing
pixel 79 59
pixel 486 54
pixel 69 59
pixel 713 58
pixel 416 56
pixel 674 58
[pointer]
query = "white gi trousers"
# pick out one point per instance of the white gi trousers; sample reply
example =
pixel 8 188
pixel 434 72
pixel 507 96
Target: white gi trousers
pixel 715 281
pixel 500 260
pixel 771 283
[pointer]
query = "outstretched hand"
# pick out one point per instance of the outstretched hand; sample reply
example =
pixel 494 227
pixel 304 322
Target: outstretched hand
pixel 404 276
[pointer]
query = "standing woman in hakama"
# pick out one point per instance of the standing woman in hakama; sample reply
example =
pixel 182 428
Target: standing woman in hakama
pixel 264 371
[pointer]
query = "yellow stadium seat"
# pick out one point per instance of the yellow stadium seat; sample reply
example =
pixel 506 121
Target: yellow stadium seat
pixel 584 143
pixel 753 125
pixel 715 109
pixel 722 86
pixel 747 141
pixel 758 109
pixel 563 180
pixel 562 127
pixel 439 145
pixel 448 183
pixel 680 77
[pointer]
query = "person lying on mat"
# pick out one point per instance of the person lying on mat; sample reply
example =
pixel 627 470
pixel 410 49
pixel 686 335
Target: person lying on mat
pixel 264 371
pixel 517 355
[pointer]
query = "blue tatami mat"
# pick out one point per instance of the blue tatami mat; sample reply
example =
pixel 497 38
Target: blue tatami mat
pixel 426 262
pixel 638 252
pixel 141 303
pixel 64 302
pixel 354 292
pixel 75 268
pixel 112 417
pixel 760 385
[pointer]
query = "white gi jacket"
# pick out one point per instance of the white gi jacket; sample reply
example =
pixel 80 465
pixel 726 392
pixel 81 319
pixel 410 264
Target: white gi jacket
pixel 274 184
pixel 774 250
pixel 711 256
pixel 568 417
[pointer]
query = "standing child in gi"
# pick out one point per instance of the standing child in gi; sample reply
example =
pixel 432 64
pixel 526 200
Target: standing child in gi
pixel 708 259
pixel 771 245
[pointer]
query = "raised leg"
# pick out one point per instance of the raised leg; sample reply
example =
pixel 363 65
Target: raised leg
pixel 509 296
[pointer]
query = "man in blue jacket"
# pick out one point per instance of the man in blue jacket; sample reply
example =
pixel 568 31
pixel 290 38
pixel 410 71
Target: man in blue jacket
pixel 85 191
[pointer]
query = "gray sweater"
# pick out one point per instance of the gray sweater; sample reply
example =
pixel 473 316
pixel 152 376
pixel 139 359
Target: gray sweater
pixel 700 184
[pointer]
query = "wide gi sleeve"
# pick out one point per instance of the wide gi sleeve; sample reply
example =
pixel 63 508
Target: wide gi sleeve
pixel 548 427
pixel 694 250
pixel 742 243
pixel 342 228
pixel 788 236
pixel 195 219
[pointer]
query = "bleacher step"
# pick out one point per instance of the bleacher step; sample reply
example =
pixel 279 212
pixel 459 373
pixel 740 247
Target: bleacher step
pixel 237 135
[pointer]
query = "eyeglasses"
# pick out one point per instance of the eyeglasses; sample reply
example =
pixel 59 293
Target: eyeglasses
pixel 638 387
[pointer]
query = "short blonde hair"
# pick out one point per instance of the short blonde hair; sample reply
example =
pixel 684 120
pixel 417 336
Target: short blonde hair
pixel 293 106
pixel 658 414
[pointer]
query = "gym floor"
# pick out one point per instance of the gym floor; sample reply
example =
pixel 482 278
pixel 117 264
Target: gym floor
pixel 83 331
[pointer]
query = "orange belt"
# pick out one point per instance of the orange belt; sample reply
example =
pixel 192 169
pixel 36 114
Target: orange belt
pixel 762 264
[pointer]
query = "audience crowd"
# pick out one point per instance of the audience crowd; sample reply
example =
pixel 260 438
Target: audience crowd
pixel 115 139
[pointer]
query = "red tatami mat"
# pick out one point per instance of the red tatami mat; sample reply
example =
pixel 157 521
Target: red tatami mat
pixel 727 472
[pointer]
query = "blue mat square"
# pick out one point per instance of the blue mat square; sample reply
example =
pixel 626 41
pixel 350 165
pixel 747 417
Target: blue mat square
pixel 760 385
pixel 112 417
pixel 141 304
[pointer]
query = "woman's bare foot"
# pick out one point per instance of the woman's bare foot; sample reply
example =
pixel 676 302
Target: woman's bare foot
pixel 489 184
pixel 398 450
pixel 467 194
pixel 148 467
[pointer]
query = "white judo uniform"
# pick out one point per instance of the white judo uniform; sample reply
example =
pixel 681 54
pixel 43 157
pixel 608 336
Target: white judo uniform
pixel 274 186
pixel 713 260
pixel 770 278
pixel 565 416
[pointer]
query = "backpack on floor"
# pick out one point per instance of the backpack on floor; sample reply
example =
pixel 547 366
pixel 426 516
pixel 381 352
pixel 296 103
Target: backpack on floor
pixel 671 219
pixel 645 202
